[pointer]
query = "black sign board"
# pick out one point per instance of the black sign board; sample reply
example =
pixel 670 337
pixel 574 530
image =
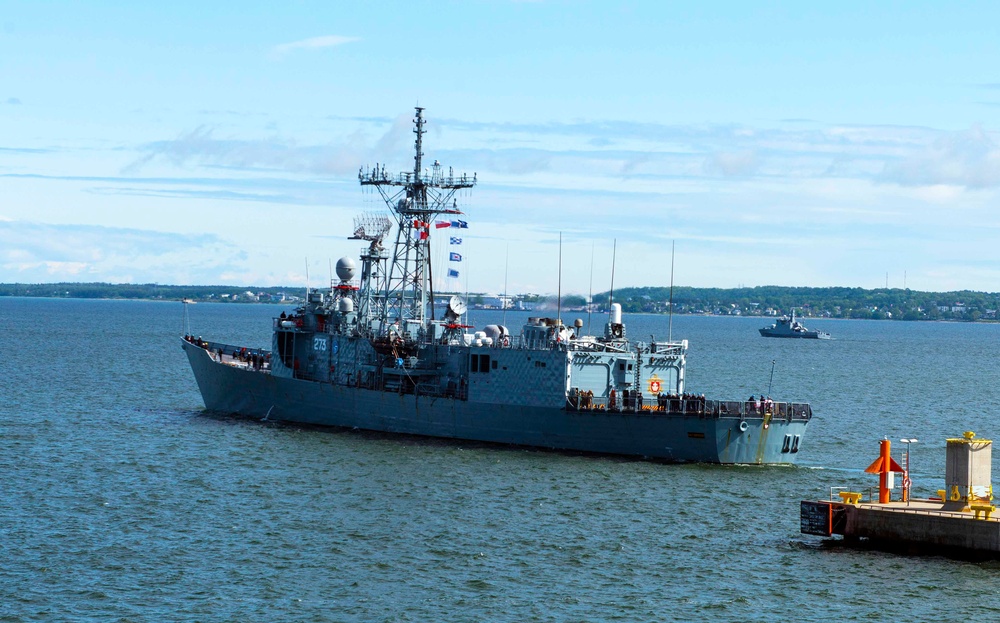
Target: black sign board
pixel 816 518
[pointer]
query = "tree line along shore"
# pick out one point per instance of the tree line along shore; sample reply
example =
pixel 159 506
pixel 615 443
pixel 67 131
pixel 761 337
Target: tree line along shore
pixel 829 302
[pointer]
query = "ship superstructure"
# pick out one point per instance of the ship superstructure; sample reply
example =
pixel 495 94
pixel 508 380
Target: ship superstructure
pixel 369 353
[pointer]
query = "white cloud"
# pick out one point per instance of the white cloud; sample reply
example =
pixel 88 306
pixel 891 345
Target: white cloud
pixel 730 163
pixel 65 268
pixel 202 147
pixel 969 159
pixel 41 252
pixel 326 41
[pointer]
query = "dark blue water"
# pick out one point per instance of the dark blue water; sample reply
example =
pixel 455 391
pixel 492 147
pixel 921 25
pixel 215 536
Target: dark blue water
pixel 123 501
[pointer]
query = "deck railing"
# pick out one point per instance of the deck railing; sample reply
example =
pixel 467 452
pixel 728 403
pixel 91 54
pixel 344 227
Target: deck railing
pixel 256 359
pixel 677 405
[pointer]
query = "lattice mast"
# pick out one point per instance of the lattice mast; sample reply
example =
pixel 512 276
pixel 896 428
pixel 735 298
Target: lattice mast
pixel 414 199
pixel 371 304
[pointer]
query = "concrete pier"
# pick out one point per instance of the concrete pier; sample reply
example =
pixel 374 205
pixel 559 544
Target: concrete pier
pixel 921 523
pixel 958 522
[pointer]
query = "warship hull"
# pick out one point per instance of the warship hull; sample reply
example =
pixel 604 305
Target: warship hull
pixel 801 335
pixel 663 436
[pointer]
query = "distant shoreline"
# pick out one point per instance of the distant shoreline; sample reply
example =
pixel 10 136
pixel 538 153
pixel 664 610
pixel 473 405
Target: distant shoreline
pixel 766 302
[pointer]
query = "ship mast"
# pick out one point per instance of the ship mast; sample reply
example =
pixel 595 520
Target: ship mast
pixel 415 199
pixel 373 228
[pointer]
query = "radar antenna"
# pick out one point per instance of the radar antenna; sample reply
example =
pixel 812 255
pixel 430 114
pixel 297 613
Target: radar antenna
pixel 371 226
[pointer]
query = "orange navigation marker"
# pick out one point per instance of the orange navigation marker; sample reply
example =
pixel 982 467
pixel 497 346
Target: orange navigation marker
pixel 882 466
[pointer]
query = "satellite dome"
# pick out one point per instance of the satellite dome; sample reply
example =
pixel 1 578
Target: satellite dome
pixel 345 268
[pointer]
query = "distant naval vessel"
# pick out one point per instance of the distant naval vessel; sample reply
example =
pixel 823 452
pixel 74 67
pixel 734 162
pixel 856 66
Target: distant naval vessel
pixel 790 327
pixel 369 353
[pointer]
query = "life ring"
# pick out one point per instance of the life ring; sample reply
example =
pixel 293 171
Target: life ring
pixel 654 387
pixel 505 341
pixel 744 426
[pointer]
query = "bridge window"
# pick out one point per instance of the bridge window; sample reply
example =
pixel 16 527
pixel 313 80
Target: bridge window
pixel 480 363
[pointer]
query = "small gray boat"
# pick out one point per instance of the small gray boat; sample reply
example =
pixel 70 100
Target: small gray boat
pixel 790 327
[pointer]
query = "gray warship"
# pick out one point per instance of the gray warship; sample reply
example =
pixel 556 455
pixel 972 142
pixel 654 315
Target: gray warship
pixel 369 353
pixel 790 327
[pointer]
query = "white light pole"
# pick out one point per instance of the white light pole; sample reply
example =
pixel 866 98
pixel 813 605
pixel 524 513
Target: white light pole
pixel 906 473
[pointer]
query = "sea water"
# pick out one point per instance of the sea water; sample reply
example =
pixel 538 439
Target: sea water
pixel 122 500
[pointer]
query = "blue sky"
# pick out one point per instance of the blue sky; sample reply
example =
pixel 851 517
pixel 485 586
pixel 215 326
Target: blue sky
pixel 775 143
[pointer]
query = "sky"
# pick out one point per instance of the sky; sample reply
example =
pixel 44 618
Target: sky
pixel 780 143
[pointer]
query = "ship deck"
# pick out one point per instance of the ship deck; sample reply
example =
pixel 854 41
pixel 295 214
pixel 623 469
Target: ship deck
pixel 254 359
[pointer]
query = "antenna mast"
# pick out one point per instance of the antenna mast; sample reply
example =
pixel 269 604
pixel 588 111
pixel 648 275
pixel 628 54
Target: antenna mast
pixel 590 295
pixel 559 293
pixel 506 301
pixel 414 200
pixel 611 294
pixel 670 318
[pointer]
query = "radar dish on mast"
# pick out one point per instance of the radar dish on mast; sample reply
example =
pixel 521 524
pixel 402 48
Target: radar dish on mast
pixel 456 306
pixel 371 226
